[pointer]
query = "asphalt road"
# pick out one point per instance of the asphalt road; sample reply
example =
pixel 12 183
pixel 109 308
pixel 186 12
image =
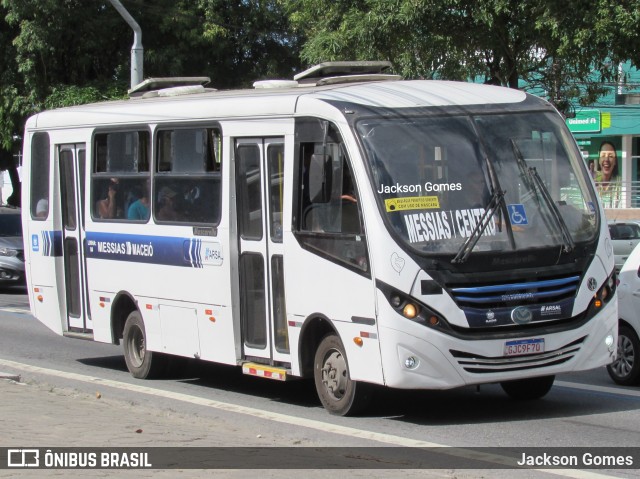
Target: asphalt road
pixel 582 410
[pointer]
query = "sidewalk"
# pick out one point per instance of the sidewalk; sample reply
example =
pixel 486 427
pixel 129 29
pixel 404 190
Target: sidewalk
pixel 38 414
pixel 42 415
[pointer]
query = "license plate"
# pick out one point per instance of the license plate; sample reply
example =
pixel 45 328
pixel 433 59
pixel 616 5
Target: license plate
pixel 521 347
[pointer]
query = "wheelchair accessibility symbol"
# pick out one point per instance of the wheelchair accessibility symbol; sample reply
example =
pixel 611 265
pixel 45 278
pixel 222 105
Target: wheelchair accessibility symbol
pixel 517 214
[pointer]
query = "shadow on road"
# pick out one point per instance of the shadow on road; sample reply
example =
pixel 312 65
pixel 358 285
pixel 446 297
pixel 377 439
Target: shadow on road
pixel 468 405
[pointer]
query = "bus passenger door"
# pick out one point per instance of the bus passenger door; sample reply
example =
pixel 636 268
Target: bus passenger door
pixel 259 168
pixel 72 169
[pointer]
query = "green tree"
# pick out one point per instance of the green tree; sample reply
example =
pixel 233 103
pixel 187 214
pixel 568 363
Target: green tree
pixel 557 47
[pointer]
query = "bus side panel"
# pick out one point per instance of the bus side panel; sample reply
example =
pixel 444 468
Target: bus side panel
pixel 185 308
pixel 317 287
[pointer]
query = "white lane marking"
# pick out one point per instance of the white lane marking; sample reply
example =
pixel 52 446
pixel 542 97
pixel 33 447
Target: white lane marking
pixel 16 310
pixel 602 389
pixel 296 421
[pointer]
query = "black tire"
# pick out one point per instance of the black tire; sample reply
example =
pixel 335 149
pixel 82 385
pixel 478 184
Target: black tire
pixel 338 393
pixel 529 388
pixel 141 363
pixel 625 370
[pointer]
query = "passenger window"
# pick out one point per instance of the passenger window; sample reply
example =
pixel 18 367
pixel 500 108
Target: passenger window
pixel 187 178
pixel 40 176
pixel 329 220
pixel 275 159
pixel 120 179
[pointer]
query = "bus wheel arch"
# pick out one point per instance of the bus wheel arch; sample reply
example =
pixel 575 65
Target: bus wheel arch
pixel 323 356
pixel 313 331
pixel 123 306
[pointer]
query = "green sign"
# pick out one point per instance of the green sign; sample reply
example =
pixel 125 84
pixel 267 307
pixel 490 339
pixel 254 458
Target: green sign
pixel 586 121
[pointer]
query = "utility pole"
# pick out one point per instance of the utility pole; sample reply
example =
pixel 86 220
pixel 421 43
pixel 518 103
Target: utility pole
pixel 137 52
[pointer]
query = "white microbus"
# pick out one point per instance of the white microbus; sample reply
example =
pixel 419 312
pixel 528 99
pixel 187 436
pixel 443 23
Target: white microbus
pixel 356 229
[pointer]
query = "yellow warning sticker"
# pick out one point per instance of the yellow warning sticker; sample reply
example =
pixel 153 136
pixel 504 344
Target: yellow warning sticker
pixel 412 203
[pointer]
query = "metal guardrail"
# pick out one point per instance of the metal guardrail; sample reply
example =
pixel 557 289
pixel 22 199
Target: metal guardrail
pixel 625 194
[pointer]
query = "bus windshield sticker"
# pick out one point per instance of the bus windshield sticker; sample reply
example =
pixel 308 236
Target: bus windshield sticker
pixel 434 226
pixel 412 203
pixel 517 215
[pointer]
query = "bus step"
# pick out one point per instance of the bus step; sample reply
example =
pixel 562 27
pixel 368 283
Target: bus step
pixel 73 334
pixel 269 372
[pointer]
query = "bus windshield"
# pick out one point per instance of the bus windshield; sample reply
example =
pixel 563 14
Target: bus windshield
pixel 501 182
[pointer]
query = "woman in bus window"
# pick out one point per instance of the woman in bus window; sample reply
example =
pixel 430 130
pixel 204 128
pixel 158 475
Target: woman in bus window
pixel 107 207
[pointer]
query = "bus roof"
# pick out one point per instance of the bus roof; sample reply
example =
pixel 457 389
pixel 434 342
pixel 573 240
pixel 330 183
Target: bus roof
pixel 265 102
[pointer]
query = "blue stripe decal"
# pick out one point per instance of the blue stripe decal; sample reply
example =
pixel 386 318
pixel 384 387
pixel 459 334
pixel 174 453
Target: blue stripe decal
pixel 517 286
pixel 517 296
pixel 51 243
pixel 168 250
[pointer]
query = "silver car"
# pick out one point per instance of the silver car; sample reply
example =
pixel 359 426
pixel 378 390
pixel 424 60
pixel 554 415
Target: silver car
pixel 626 368
pixel 11 247
pixel 624 237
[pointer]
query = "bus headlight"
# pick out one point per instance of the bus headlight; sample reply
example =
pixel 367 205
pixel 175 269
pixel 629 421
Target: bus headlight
pixel 410 311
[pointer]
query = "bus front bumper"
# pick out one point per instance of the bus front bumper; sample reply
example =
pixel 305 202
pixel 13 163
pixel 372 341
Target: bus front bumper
pixel 421 358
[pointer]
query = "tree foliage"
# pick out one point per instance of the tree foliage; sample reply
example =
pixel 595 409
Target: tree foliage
pixel 64 52
pixel 67 52
pixel 564 49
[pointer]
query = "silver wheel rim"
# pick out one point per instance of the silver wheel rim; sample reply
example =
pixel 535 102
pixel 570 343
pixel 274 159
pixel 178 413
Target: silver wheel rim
pixel 334 374
pixel 626 357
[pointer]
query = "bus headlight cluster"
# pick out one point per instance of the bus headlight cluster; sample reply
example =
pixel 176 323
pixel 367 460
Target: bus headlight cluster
pixel 603 295
pixel 414 310
pixel 606 291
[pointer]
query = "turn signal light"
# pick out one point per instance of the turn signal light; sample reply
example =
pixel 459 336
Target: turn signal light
pixel 358 340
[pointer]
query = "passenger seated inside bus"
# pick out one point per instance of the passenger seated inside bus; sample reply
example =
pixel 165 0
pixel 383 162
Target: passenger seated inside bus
pixel 107 207
pixel 166 210
pixel 139 209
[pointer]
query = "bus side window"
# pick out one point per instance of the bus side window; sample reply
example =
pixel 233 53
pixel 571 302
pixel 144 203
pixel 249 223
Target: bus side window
pixel 120 175
pixel 187 177
pixel 329 220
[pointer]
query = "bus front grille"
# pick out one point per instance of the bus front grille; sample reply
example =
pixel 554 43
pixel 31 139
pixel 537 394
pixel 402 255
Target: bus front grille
pixel 478 364
pixel 505 295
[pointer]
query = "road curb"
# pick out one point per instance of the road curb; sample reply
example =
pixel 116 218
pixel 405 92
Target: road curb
pixel 11 376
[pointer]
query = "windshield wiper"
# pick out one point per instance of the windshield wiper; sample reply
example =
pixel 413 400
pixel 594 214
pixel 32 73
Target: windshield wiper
pixel 497 199
pixel 532 174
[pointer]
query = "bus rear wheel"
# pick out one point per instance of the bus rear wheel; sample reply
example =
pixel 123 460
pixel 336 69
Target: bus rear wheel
pixel 338 393
pixel 529 388
pixel 141 363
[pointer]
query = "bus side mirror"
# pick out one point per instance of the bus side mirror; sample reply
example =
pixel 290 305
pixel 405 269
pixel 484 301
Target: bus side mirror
pixel 320 175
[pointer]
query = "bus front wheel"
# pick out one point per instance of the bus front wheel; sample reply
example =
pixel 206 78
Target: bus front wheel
pixel 338 393
pixel 142 364
pixel 529 388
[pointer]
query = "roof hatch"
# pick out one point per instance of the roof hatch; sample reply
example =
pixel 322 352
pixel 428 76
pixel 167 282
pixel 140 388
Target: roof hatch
pixel 170 86
pixel 328 73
